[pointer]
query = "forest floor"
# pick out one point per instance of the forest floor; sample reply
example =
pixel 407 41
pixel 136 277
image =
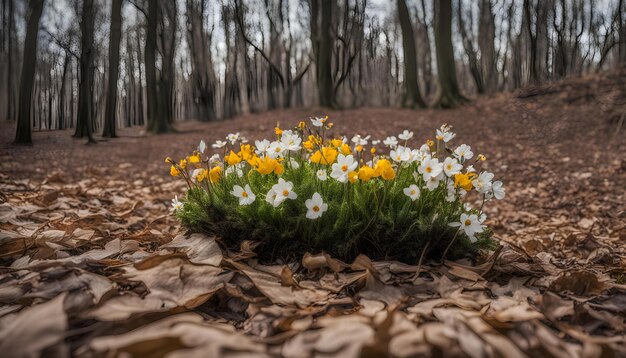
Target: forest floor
pixel 92 262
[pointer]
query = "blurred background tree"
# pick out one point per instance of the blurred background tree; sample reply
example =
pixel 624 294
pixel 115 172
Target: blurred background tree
pixel 99 65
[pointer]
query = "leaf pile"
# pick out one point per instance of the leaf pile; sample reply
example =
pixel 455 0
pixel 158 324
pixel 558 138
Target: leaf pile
pixel 124 280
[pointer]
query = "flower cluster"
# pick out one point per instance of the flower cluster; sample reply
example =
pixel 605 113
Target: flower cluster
pixel 322 189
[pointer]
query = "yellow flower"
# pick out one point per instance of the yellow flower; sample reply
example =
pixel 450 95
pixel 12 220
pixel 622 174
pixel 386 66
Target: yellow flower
pixel 278 131
pixel 464 180
pixel 366 173
pixel 232 158
pixel 383 168
pixel 345 149
pixel 169 160
pixel 336 143
pixel 430 143
pixel 182 163
pixel 359 148
pixel 268 165
pixel 326 156
pixel 308 145
pixel 301 125
pixel 246 152
pixel 195 158
pixel 373 150
pixel 481 157
pixel 214 174
pixel 202 175
pixel 174 171
pixel 353 177
pixel 330 125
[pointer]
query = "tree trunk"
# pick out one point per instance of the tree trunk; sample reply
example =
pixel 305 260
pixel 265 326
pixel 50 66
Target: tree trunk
pixel 486 43
pixel 202 73
pixel 85 100
pixel 23 132
pixel 322 39
pixel 448 94
pixel 114 63
pixel 157 121
pixel 412 97
pixel 10 94
pixel 61 108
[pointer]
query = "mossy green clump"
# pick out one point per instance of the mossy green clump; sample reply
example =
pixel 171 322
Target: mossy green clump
pixel 383 210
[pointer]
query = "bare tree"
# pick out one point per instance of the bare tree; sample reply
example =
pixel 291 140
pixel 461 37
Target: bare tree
pixel 412 97
pixel 114 63
pixel 321 22
pixel 157 120
pixel 23 132
pixel 448 94
pixel 85 99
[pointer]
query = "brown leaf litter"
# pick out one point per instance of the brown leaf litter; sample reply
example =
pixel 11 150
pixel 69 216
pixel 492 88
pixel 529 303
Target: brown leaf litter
pixel 92 263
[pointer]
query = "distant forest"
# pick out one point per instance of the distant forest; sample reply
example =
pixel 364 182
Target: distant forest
pixel 100 65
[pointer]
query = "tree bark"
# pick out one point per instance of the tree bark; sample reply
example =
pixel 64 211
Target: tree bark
pixel 412 97
pixel 322 39
pixel 114 64
pixel 448 94
pixel 23 132
pixel 85 100
pixel 157 121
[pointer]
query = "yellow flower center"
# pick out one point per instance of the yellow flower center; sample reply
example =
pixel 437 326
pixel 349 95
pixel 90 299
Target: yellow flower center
pixel 285 192
pixel 316 208
pixel 468 222
pixel 429 169
pixel 277 149
pixel 244 194
pixel 344 168
pixel 413 192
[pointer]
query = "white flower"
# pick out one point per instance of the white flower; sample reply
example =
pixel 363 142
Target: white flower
pixel 498 190
pixel 202 147
pixel 215 158
pixel 401 154
pixel 196 172
pixel 483 182
pixel 445 135
pixel 433 182
pixel 294 163
pixel 261 146
pixel 233 137
pixel 176 205
pixel 283 191
pixel 318 122
pixel 358 140
pixel 429 168
pixel 375 142
pixel 390 141
pixel 412 192
pixel 245 195
pixel 463 152
pixel 451 166
pixel 316 206
pixel 470 169
pixel 218 144
pixel 271 197
pixel 290 141
pixel 470 224
pixel 243 139
pixel 235 169
pixel 275 150
pixel 321 174
pixel 405 135
pixel 345 164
